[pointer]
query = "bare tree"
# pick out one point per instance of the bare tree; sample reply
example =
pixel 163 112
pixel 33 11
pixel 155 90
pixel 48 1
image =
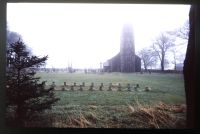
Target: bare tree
pixel 178 56
pixel 178 51
pixel 182 32
pixel 174 51
pixel 161 46
pixel 148 57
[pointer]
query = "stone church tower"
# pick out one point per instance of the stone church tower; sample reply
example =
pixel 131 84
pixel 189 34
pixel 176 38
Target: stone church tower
pixel 127 50
pixel 125 60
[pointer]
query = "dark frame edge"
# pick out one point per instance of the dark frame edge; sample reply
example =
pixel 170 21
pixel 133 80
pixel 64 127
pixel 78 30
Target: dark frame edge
pixel 110 1
pixel 3 35
pixel 2 60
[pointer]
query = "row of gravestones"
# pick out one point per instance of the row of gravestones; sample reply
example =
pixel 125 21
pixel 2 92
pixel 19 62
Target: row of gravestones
pixel 91 87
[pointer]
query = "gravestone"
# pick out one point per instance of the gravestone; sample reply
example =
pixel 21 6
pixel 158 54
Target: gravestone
pixel 65 84
pixel 81 88
pixel 128 87
pixel 53 85
pixel 83 84
pixel 72 87
pixel 119 87
pixel 100 87
pixel 91 87
pixel 147 89
pixel 136 87
pixel 63 88
pixel 110 87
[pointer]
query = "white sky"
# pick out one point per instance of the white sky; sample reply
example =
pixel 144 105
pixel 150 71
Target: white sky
pixel 87 34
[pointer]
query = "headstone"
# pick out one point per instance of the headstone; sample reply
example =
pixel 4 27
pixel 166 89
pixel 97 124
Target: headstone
pixel 128 87
pixel 147 89
pixel 135 88
pixel 53 85
pixel 91 86
pixel 110 87
pixel 119 87
pixel 83 84
pixel 81 89
pixel 72 87
pixel 63 88
pixel 100 87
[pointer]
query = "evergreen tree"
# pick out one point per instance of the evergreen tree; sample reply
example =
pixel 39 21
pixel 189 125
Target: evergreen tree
pixel 23 89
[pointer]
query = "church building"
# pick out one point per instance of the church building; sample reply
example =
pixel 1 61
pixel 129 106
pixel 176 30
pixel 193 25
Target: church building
pixel 126 60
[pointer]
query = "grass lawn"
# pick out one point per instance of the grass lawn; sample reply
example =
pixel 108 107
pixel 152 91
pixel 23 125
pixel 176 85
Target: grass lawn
pixel 161 83
pixel 113 108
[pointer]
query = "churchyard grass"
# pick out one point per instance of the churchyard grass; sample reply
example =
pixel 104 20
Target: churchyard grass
pixel 112 108
pixel 160 83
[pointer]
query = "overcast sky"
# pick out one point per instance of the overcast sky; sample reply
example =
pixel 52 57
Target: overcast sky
pixel 87 34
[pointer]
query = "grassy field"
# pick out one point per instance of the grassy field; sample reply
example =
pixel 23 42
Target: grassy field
pixel 160 83
pixel 116 108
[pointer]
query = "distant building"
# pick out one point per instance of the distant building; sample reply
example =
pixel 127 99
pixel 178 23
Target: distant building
pixel 126 60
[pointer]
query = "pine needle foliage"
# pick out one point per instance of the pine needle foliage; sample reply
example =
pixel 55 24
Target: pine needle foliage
pixel 24 91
